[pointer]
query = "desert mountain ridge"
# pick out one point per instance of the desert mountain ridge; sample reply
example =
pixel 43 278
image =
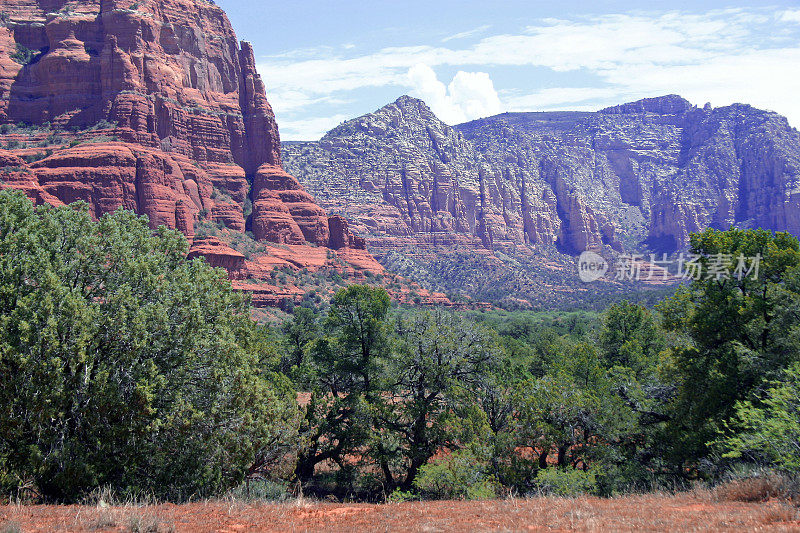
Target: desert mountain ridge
pixel 158 108
pixel 525 192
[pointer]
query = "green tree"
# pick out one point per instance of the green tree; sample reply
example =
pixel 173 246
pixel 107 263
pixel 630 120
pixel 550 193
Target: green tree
pixel 345 376
pixel 736 332
pixel 768 431
pixel 299 333
pixel 630 337
pixel 572 411
pixel 358 321
pixel 124 364
pixel 429 399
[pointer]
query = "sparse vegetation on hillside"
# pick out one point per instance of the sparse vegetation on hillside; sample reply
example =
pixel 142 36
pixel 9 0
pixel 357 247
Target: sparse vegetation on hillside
pixel 24 55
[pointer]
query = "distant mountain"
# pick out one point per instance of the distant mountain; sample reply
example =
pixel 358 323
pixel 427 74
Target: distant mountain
pixel 498 206
pixel 657 169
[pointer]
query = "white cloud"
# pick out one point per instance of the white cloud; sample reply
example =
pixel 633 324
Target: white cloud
pixel 466 34
pixel 474 94
pixel 722 56
pixel 562 98
pixel 293 100
pixel 310 129
pixel 763 78
pixel 469 96
pixel 790 15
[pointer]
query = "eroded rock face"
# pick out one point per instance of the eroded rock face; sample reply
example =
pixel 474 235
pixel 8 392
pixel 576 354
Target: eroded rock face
pixel 341 238
pixel 652 172
pixel 170 74
pixel 401 174
pixel 152 106
pixel 284 212
pixel 403 178
pixel 639 175
pixel 219 254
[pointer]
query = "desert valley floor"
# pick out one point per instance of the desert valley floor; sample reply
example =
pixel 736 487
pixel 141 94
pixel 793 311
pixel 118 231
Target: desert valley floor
pixel 695 511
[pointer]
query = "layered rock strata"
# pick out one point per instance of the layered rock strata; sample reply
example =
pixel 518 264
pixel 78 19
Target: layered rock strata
pixel 635 176
pixel 152 106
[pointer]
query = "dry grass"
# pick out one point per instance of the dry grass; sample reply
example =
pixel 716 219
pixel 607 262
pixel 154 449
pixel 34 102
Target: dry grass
pixel 10 527
pixel 105 519
pixel 759 488
pixel 148 523
pixel 701 510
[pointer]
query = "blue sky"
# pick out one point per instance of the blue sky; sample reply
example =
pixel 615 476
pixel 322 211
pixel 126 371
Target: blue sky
pixel 325 62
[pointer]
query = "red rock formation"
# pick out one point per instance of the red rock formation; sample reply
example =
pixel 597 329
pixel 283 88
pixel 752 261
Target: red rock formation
pixel 219 254
pixel 341 236
pixel 151 106
pixel 285 213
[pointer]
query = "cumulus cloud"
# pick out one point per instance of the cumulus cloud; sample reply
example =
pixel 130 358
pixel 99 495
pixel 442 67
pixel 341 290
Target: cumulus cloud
pixel 722 56
pixel 469 95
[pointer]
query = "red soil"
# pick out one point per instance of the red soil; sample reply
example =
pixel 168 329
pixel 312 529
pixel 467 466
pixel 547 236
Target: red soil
pixel 686 512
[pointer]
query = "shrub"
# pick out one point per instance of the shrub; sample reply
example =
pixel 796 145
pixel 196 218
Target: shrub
pixel 38 156
pixel 458 476
pixel 566 482
pixel 768 432
pixel 24 55
pixel 124 364
pixel 757 487
pixel 400 496
pixel 260 490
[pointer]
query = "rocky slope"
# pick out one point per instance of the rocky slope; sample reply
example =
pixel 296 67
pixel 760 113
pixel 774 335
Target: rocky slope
pixel 655 170
pixel 512 197
pixel 155 106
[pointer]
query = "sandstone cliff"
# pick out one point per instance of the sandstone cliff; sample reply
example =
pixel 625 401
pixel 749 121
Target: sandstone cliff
pixel 152 106
pixel 656 170
pixel 527 190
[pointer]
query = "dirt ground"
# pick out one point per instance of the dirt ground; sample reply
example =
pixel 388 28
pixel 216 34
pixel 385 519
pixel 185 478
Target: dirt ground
pixel 686 512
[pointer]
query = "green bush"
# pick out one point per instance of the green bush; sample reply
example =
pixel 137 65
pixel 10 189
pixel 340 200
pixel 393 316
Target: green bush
pixel 566 482
pixel 24 55
pixel 768 432
pixel 260 490
pixel 458 476
pixel 123 364
pixel 400 496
